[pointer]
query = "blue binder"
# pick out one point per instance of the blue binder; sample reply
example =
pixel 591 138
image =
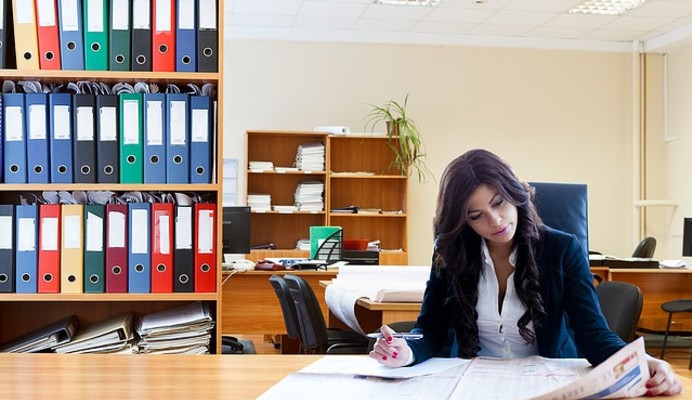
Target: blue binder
pixel 186 36
pixel 139 248
pixel 60 137
pixel 26 246
pixel 36 106
pixel 14 138
pixel 178 143
pixel 71 34
pixel 154 138
pixel 201 113
pixel 2 169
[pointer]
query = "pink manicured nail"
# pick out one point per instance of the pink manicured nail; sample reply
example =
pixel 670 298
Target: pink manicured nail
pixel 394 355
pixel 384 358
pixel 389 339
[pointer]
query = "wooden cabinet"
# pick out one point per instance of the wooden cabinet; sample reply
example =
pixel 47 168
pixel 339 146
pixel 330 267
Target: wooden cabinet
pixel 359 172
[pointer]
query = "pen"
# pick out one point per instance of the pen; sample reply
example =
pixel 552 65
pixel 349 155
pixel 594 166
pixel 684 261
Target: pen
pixel 411 336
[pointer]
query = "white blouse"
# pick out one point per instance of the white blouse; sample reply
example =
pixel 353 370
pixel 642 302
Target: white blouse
pixel 498 333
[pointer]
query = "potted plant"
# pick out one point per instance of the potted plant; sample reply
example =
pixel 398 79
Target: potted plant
pixel 404 137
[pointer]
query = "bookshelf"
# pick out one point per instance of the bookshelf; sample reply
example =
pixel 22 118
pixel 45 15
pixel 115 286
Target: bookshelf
pixel 357 173
pixel 24 312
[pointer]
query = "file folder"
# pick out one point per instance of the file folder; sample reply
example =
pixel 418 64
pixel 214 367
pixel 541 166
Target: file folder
pixel 138 258
pixel 154 139
pixel 205 247
pixel 131 149
pixel 200 139
pixel 96 35
pixel 186 36
pixel 163 35
pixel 94 259
pixel 120 36
pixel 49 248
pixel 116 248
pixel 107 145
pixel 84 146
pixel 71 34
pixel 26 242
pixel 7 244
pixel 14 138
pixel 183 270
pixel 4 33
pixel 162 234
pixel 141 35
pixel 25 36
pixel 36 105
pixel 60 137
pixel 72 261
pixel 47 32
pixel 178 133
pixel 207 36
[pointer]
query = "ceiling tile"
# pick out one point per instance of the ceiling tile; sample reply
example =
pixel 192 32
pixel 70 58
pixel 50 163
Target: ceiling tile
pixel 499 30
pixel 263 20
pixel 637 23
pixel 396 12
pixel 559 6
pixel 458 15
pixel 523 18
pixel 327 9
pixel 442 27
pixel 673 9
pixel 270 7
pixel 384 26
pixel 560 33
pixel 324 22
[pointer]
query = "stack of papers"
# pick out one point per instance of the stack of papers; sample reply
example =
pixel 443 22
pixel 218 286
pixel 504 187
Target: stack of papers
pixel 43 338
pixel 308 196
pixel 260 166
pixel 310 157
pixel 182 330
pixel 259 202
pixel 286 209
pixel 303 244
pixel 112 335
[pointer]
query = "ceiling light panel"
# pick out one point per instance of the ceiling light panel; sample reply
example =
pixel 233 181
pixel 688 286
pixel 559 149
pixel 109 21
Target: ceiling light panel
pixel 606 7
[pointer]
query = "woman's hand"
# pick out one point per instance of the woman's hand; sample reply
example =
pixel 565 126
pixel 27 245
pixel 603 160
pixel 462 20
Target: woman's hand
pixel 391 351
pixel 663 381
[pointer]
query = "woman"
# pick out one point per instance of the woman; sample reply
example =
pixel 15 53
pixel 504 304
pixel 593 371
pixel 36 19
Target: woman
pixel 502 282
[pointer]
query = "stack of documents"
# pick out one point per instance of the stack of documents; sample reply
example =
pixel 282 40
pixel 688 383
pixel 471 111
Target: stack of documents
pixel 113 335
pixel 308 196
pixel 303 244
pixel 285 209
pixel 259 166
pixel 43 338
pixel 182 330
pixel 310 157
pixel 259 202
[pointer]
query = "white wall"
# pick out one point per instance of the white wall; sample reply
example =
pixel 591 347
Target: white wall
pixel 561 116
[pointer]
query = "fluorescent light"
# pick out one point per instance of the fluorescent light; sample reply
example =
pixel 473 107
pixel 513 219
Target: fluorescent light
pixel 415 3
pixel 606 7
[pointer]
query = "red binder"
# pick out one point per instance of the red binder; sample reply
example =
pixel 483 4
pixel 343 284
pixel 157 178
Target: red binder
pixel 163 35
pixel 49 248
pixel 205 247
pixel 116 248
pixel 48 36
pixel 162 224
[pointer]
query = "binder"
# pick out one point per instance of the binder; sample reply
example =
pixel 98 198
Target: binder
pixel 72 261
pixel 200 139
pixel 71 34
pixel 14 138
pixel 96 35
pixel 131 149
pixel 138 257
pixel 116 248
pixel 84 146
pixel 120 36
pixel 36 105
pixel 44 337
pixel 186 36
pixel 205 247
pixel 207 36
pixel 162 223
pixel 183 270
pixel 107 145
pixel 25 36
pixel 94 258
pixel 2 122
pixel 60 137
pixel 178 134
pixel 47 33
pixel 154 139
pixel 4 33
pixel 26 245
pixel 7 244
pixel 163 35
pixel 141 35
pixel 49 248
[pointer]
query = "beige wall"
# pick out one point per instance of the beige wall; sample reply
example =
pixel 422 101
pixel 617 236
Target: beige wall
pixel 561 116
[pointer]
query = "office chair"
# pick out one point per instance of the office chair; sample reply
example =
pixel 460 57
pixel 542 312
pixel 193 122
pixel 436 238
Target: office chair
pixel 621 303
pixel 288 309
pixel 645 248
pixel 315 337
pixel 672 307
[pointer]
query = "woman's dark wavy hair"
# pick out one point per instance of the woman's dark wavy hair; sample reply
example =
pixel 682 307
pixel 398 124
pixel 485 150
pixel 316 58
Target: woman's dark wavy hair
pixel 458 247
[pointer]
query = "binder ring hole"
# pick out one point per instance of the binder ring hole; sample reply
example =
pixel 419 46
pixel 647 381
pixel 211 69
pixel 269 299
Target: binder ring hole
pixel 62 169
pixel 27 55
pixel 183 278
pixel 131 159
pixel 47 277
pixel 49 55
pixel 116 270
pixel 186 60
pixel 154 159
pixel 205 268
pixel 71 45
pixel 94 278
pixel 1 44
pixel 95 46
pixel 199 170
pixel 72 278
pixel 161 268
pixel 139 268
pixel 14 168
pixel 178 159
pixel 207 52
pixel 38 169
pixel 141 59
pixel 163 48
pixel 3 277
pixel 108 169
pixel 119 58
pixel 26 277
pixel 85 169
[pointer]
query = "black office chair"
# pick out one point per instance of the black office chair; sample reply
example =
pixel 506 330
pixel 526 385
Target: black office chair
pixel 315 337
pixel 645 248
pixel 672 307
pixel 621 303
pixel 288 309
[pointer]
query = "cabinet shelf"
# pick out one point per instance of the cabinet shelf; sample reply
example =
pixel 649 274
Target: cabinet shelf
pixel 361 176
pixel 110 76
pixel 114 187
pixel 48 297
pixel 300 173
pixel 365 215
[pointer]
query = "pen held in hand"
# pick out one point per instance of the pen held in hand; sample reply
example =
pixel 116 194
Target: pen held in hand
pixel 410 336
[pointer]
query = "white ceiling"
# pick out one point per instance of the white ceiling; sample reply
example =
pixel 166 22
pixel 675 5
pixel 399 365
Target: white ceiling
pixel 655 26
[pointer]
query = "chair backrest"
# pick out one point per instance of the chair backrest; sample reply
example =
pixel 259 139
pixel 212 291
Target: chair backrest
pixel 313 328
pixel 563 206
pixel 621 303
pixel 288 308
pixel 645 248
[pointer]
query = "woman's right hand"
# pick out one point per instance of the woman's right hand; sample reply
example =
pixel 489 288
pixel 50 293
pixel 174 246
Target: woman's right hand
pixel 390 351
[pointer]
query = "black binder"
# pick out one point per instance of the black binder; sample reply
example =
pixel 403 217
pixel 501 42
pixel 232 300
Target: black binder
pixel 7 267
pixel 107 144
pixel 43 338
pixel 84 138
pixel 141 35
pixel 183 267
pixel 207 36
